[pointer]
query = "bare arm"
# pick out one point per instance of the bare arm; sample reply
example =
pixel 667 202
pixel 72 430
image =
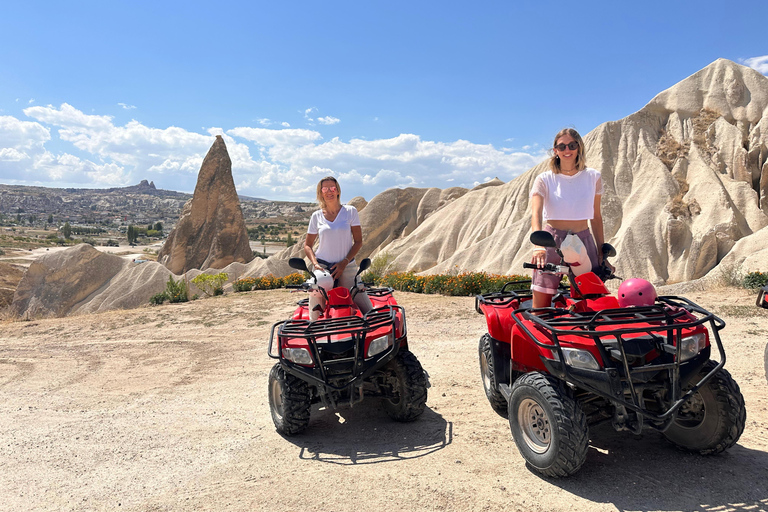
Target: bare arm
pixel 308 243
pixel 597 228
pixel 537 207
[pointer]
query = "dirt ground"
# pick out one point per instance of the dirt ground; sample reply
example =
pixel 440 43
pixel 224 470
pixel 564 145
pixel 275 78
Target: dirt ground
pixel 165 408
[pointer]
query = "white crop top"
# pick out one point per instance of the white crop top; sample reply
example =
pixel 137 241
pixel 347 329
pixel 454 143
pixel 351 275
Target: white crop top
pixel 568 197
pixel 335 238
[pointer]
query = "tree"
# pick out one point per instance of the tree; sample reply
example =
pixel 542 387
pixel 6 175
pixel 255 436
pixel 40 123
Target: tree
pixel 132 234
pixel 289 241
pixel 159 227
pixel 50 218
pixel 66 230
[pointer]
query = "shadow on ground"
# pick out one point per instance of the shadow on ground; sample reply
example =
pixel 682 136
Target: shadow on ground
pixel 366 435
pixel 647 473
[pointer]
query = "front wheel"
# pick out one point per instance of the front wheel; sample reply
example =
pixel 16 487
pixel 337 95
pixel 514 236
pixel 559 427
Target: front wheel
pixel 712 420
pixel 408 387
pixel 487 374
pixel 289 401
pixel 549 427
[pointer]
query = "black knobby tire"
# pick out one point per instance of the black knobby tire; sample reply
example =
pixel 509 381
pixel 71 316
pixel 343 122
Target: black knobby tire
pixel 289 402
pixel 549 427
pixel 408 385
pixel 712 420
pixel 487 369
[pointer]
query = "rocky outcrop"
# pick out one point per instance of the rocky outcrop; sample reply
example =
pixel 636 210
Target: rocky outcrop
pixel 82 279
pixel 211 231
pixel 686 178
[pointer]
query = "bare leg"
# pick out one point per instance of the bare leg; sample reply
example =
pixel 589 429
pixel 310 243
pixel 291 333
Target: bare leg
pixel 542 300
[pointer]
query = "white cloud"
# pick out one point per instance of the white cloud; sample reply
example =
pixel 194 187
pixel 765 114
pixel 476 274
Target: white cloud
pixel 285 124
pixel 126 106
pixel 759 64
pixel 277 162
pixel 328 120
pixel 31 101
pixel 264 121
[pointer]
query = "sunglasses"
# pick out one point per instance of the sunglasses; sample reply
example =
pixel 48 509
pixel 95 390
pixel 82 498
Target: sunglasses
pixel 329 189
pixel 573 146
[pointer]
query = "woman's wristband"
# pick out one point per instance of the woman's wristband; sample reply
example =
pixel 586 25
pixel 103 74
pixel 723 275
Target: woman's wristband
pixel 346 259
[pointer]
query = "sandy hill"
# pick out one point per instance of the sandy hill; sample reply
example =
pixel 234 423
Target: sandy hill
pixel 685 180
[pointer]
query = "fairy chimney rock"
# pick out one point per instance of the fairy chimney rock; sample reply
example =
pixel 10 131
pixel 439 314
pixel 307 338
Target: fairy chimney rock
pixel 211 230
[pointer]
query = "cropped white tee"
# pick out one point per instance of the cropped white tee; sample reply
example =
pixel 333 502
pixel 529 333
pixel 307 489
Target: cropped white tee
pixel 335 237
pixel 568 197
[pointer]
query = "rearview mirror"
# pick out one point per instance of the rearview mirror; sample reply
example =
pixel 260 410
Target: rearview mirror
pixel 543 239
pixel 298 263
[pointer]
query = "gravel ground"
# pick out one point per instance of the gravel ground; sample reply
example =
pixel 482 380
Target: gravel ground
pixel 165 408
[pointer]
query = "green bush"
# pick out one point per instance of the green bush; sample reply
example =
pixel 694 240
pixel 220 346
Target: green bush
pixel 463 284
pixel 176 291
pixel 211 284
pixel 755 280
pixel 380 266
pixel 244 284
pixel 158 298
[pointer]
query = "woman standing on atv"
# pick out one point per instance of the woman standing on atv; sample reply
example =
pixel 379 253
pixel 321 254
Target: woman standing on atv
pixel 338 228
pixel 565 199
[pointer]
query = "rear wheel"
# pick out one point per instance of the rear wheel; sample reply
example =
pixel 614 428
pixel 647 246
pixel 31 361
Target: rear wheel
pixel 408 386
pixel 289 402
pixel 487 373
pixel 713 419
pixel 549 427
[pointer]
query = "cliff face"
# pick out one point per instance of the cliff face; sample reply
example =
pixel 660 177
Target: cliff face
pixel 211 231
pixel 685 178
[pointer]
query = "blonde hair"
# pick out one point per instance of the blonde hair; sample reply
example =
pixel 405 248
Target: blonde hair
pixel 581 159
pixel 320 198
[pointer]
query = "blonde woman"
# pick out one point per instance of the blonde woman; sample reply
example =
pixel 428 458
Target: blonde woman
pixel 337 227
pixel 565 199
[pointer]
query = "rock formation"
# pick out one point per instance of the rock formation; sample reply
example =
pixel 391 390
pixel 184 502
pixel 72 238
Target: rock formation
pixel 62 282
pixel 211 231
pixel 685 178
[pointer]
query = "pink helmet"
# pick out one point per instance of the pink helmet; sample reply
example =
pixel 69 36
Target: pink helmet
pixel 636 292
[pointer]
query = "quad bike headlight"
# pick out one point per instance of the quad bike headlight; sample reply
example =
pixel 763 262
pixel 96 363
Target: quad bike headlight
pixel 298 355
pixel 578 358
pixel 692 345
pixel 379 345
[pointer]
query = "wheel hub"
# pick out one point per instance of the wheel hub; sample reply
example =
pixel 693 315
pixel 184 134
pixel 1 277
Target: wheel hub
pixel 277 399
pixel 534 425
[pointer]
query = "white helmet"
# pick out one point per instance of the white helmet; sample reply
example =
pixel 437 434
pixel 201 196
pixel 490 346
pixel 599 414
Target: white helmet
pixel 324 279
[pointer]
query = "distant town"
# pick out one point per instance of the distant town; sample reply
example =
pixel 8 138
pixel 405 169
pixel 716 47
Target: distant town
pixel 35 216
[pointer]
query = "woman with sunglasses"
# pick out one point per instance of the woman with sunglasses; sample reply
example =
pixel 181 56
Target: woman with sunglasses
pixel 565 199
pixel 337 227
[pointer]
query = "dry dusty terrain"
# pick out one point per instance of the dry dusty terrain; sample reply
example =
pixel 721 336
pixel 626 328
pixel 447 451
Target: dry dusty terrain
pixel 166 408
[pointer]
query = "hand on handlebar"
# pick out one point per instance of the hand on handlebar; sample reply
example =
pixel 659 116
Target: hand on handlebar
pixel 539 258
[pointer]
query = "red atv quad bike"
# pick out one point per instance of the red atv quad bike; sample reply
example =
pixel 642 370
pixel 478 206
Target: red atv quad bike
pixel 343 357
pixel 586 359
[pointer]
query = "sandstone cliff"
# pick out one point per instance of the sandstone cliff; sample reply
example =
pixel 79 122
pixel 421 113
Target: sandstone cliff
pixel 211 231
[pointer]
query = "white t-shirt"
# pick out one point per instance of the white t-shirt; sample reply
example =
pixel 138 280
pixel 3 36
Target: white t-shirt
pixel 335 237
pixel 568 197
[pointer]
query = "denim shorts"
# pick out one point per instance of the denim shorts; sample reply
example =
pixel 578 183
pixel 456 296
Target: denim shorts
pixel 547 283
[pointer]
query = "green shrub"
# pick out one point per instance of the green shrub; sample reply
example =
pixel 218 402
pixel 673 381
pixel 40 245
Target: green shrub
pixel 462 284
pixel 755 280
pixel 244 284
pixel 380 266
pixel 176 291
pixel 211 284
pixel 158 298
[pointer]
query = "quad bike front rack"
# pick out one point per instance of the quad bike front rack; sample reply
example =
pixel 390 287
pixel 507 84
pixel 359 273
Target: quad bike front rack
pixel 663 325
pixel 337 346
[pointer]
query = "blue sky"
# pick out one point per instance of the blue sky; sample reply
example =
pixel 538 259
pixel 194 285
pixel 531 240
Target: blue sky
pixel 380 94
